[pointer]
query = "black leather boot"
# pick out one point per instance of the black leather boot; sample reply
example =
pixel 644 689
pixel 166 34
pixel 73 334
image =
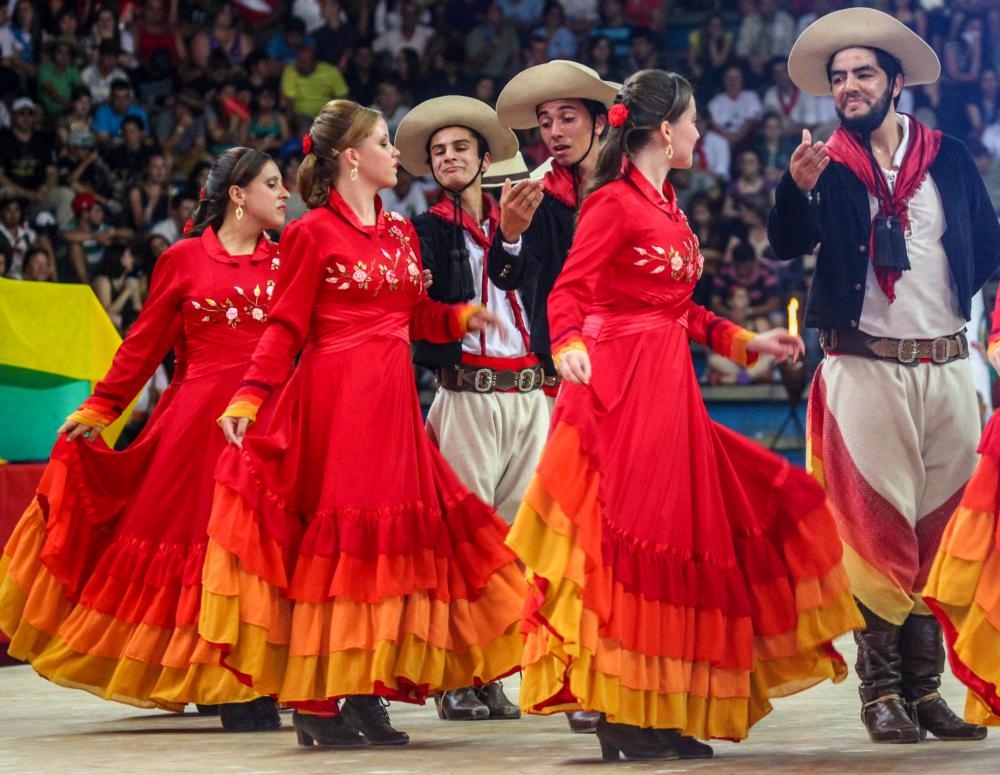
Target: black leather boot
pixel 634 742
pixel 921 648
pixel 583 722
pixel 329 731
pixel 260 715
pixel 687 747
pixel 492 696
pixel 461 705
pixel 883 712
pixel 369 716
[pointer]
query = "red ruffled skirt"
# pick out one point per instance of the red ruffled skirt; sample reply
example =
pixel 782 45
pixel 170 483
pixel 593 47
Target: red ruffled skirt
pixel 100 583
pixel 963 588
pixel 681 575
pixel 345 557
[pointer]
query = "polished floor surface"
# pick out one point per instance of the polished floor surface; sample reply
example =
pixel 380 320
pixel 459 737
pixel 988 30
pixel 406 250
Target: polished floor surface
pixel 46 729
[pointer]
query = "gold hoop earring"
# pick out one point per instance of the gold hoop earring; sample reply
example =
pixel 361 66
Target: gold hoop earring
pixel 354 172
pixel 670 151
pixel 239 212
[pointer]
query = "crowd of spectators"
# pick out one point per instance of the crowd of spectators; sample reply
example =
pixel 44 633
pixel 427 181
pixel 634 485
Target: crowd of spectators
pixel 112 112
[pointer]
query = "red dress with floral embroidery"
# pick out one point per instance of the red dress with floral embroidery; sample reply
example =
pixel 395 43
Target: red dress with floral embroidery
pixel 345 557
pixel 682 574
pixel 100 583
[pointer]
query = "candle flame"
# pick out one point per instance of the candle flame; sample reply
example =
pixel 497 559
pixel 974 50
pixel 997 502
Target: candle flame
pixel 793 316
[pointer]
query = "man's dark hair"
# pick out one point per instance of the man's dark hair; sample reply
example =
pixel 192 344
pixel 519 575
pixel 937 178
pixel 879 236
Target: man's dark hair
pixel 885 61
pixel 481 144
pixel 120 84
pixel 137 120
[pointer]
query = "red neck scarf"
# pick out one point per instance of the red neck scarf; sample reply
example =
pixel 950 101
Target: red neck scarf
pixel 561 182
pixel 446 210
pixel 920 153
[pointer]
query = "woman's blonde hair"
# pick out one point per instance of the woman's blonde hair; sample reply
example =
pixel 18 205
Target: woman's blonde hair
pixel 340 125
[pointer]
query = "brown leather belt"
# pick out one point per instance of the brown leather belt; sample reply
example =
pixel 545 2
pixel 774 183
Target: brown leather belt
pixel 846 341
pixel 486 380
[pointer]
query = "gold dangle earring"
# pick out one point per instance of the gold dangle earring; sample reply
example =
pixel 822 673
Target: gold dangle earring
pixel 239 212
pixel 354 172
pixel 670 151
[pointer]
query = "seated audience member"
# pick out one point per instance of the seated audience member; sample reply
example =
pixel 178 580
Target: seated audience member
pixel 16 235
pixel 87 239
pixel 308 84
pixel 100 74
pixel 735 111
pixel 39 265
pixel 405 197
pixel 119 284
pixel 108 117
pixel 182 205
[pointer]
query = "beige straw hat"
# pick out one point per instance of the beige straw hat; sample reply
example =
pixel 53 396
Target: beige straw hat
pixel 863 27
pixel 558 79
pixel 417 127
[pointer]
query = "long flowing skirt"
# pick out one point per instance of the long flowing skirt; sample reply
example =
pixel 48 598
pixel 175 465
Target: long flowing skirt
pixel 681 574
pixel 345 557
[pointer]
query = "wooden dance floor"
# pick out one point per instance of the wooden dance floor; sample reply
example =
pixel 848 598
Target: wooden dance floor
pixel 47 729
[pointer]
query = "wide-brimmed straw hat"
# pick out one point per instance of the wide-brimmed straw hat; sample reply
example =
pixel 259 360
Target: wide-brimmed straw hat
pixel 417 127
pixel 559 79
pixel 863 27
pixel 514 168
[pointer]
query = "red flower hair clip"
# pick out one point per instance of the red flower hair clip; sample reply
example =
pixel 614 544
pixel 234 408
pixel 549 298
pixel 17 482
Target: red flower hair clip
pixel 307 144
pixel 618 114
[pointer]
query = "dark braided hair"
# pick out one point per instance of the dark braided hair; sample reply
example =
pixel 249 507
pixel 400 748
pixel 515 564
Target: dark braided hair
pixel 652 97
pixel 236 167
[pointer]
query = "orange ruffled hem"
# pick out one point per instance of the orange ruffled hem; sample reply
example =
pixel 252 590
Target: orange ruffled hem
pixel 135 663
pixel 571 661
pixel 404 646
pixel 963 590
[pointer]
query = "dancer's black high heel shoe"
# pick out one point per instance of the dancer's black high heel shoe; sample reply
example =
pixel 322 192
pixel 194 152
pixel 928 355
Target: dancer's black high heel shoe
pixel 368 715
pixel 634 742
pixel 329 731
pixel 260 715
pixel 687 747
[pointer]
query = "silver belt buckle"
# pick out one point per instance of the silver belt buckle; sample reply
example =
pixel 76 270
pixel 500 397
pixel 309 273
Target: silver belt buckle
pixel 485 380
pixel 939 349
pixel 526 380
pixel 906 350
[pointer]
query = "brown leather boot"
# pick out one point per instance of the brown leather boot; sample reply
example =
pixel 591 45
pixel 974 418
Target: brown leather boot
pixel 884 713
pixel 583 722
pixel 461 705
pixel 921 648
pixel 492 697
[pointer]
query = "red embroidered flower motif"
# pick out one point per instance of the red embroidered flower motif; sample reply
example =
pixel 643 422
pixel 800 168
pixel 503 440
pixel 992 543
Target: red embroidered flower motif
pixel 228 312
pixel 685 267
pixel 617 114
pixel 307 144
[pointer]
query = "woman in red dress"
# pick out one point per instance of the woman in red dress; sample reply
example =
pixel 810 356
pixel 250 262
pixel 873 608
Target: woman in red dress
pixel 345 557
pixel 681 574
pixel 100 583
pixel 963 588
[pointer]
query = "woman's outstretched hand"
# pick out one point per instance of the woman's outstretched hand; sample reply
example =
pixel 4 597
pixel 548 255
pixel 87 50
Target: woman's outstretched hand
pixel 779 344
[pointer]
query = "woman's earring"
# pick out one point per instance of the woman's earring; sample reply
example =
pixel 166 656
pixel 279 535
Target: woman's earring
pixel 239 212
pixel 670 150
pixel 354 172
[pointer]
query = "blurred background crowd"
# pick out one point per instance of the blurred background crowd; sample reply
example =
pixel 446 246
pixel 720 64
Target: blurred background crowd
pixel 112 112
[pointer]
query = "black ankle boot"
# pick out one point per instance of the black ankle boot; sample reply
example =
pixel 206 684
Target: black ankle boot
pixel 369 716
pixel 260 715
pixel 634 742
pixel 492 696
pixel 329 731
pixel 921 647
pixel 687 747
pixel 884 713
pixel 461 705
pixel 208 710
pixel 583 722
